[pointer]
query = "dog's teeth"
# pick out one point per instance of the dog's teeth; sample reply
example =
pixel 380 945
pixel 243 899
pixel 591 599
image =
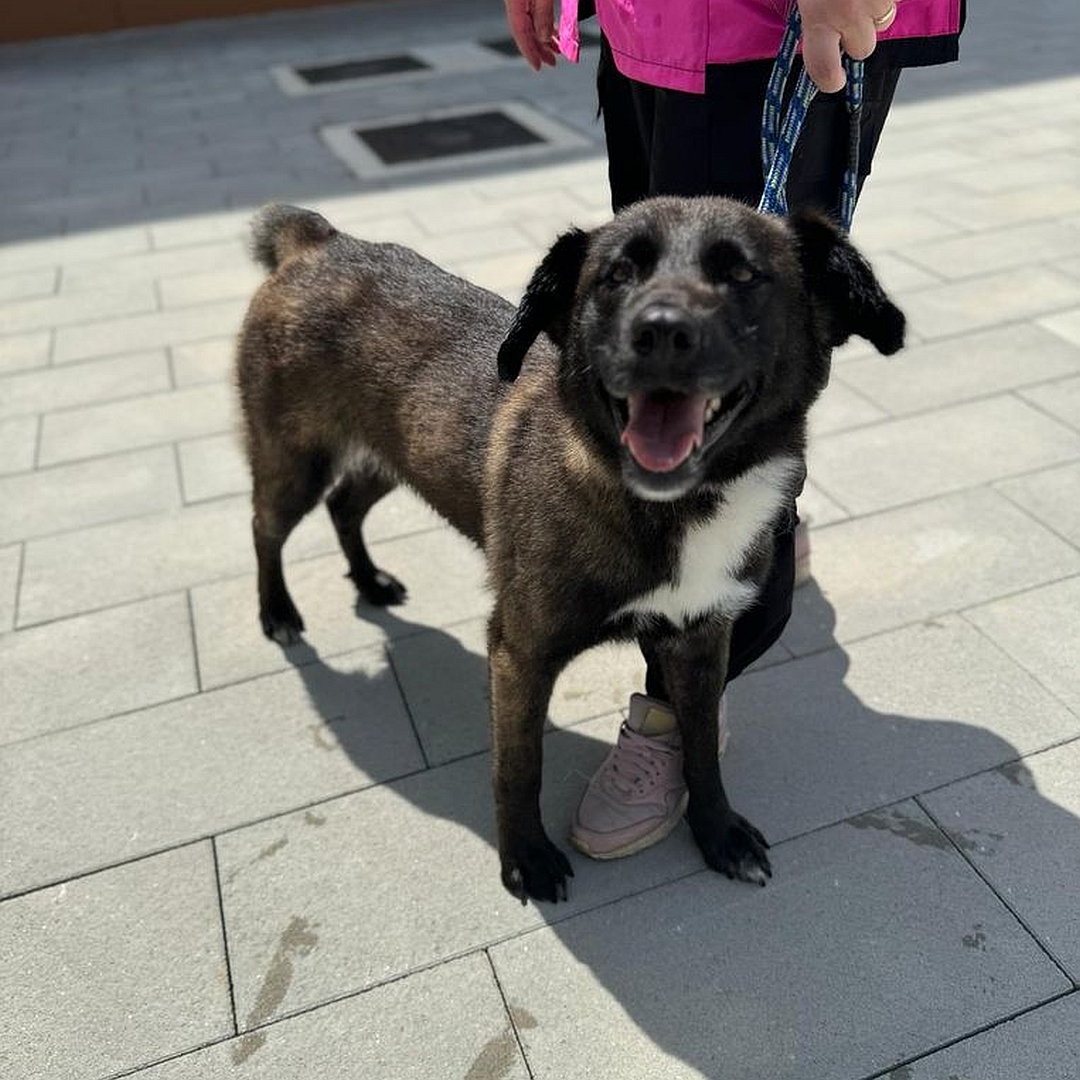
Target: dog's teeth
pixel 712 407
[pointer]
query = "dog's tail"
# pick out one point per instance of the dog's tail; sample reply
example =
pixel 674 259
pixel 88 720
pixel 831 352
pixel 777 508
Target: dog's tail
pixel 279 231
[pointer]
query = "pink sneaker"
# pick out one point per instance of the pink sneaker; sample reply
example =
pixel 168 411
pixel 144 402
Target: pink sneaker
pixel 638 794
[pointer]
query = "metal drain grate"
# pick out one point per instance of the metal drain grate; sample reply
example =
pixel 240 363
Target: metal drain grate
pixel 423 140
pixel 348 70
pixel 492 132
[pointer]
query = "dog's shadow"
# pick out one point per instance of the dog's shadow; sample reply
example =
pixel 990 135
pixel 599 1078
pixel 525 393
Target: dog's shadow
pixel 803 757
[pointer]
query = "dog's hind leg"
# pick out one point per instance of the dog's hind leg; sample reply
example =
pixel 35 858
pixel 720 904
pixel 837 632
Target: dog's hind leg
pixel 282 494
pixel 353 496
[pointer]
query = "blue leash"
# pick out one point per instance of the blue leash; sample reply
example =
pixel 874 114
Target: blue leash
pixel 780 131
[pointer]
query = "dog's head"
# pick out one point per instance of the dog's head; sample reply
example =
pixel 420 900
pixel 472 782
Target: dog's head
pixel 690 329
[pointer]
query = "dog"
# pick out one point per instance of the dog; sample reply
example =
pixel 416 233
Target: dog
pixel 622 447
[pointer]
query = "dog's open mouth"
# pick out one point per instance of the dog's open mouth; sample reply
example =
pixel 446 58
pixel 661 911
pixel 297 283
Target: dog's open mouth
pixel 663 428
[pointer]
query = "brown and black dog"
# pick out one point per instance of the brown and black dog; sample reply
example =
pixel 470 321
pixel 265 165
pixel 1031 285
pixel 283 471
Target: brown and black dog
pixel 622 448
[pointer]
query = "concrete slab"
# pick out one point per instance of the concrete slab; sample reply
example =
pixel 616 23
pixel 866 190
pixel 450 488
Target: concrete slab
pixel 18 443
pixel 171 774
pixel 811 976
pixel 10 572
pixel 76 670
pixel 203 361
pixel 113 970
pixel 919 457
pixel 1043 1044
pixel 443 677
pixel 127 298
pixel 148 420
pixel 1060 399
pixel 449 1021
pixel 1020 826
pixel 939 373
pixel 47 389
pixel 213 466
pixel 1039 629
pixel 822 738
pixel 19 352
pixel 1040 494
pixel 382 873
pixel 74 496
pixel 443 572
pixel 921 561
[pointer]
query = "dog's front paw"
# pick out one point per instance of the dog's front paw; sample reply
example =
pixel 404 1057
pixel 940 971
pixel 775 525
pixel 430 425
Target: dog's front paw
pixel 536 868
pixel 732 845
pixel 282 623
pixel 381 589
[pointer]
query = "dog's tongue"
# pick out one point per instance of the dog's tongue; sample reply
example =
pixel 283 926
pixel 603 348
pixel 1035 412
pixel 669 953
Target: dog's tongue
pixel 664 428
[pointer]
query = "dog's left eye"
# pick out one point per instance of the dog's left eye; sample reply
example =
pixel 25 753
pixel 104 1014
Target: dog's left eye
pixel 620 272
pixel 742 274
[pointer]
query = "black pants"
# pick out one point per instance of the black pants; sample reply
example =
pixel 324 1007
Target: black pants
pixel 666 142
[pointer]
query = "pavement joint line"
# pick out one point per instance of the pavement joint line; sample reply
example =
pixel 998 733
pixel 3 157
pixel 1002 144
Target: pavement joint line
pixel 224 934
pixel 1024 510
pixel 194 643
pixel 1038 405
pixel 1017 917
pixel 388 656
pixel 889 1073
pixel 18 586
pixel 39 429
pixel 508 1011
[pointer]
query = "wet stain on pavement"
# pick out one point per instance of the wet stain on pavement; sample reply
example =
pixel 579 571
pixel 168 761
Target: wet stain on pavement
pixel 892 821
pixel 298 939
pixel 976 939
pixel 497 1058
pixel 311 818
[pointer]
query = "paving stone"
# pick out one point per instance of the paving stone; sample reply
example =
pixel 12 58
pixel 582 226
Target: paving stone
pixel 18 439
pixel 838 408
pixel 442 571
pixel 1066 325
pixel 186 289
pixel 81 384
pixel 854 918
pixel 200 229
pixel 130 560
pixel 113 970
pixel 828 736
pixel 142 421
pixel 886 230
pixel 76 670
pixel 899 274
pixel 817 508
pixel 457 1007
pixel 381 875
pixel 21 351
pixel 921 561
pixel 1060 399
pixel 996 249
pixel 918 457
pixel 45 311
pixel 1040 1045
pixel 443 677
pixel 1020 826
pixel 80 247
pixel 1046 495
pixel 203 361
pixel 1001 209
pixel 506 274
pixel 1039 630
pixel 69 497
pixel 10 565
pixel 155 264
pixel 939 373
pixel 154 330
pixel 984 301
pixel 213 466
pixel 182 770
pixel 28 283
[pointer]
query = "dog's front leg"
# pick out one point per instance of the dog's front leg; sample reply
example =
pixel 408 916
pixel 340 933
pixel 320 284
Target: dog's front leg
pixel 694 666
pixel 521 681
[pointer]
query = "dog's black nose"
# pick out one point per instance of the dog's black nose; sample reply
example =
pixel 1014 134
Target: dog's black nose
pixel 663 330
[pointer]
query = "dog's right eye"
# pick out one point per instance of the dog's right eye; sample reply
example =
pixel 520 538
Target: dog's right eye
pixel 620 272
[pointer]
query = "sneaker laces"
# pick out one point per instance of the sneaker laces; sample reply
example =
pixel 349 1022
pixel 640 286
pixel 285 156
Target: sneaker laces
pixel 637 763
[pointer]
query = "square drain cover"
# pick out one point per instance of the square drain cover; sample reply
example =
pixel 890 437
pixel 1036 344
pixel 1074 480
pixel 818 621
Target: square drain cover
pixel 503 131
pixel 347 70
pixel 422 140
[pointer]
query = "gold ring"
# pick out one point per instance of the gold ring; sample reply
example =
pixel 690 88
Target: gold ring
pixel 887 18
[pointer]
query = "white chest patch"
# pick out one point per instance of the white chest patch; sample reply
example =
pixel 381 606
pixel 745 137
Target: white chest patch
pixel 714 551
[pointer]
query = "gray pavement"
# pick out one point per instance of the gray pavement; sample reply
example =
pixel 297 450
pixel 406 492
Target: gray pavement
pixel 221 858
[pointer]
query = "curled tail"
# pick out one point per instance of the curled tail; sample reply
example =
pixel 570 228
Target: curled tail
pixel 279 231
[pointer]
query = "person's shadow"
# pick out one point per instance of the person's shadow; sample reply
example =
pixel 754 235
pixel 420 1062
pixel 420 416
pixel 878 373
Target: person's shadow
pixel 860 940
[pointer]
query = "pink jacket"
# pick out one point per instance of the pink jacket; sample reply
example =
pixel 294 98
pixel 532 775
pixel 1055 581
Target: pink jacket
pixel 668 42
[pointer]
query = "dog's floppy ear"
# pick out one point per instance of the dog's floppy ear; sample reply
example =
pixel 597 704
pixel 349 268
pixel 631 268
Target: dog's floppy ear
pixel 844 287
pixel 546 303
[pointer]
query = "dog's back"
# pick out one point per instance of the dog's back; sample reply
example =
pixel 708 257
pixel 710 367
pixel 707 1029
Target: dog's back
pixel 345 355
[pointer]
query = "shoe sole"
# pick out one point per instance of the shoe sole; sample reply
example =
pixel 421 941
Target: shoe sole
pixel 641 843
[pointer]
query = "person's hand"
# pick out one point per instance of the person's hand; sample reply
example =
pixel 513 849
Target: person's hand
pixel 532 26
pixel 832 25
